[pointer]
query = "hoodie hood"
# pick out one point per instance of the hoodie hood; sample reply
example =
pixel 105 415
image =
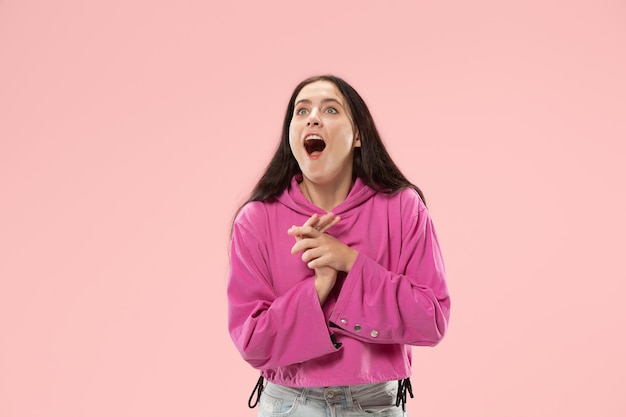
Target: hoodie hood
pixel 293 198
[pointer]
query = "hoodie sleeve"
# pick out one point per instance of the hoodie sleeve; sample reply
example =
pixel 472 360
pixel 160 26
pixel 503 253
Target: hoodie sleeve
pixel 410 305
pixel 269 330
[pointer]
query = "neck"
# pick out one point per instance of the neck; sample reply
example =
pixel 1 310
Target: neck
pixel 326 196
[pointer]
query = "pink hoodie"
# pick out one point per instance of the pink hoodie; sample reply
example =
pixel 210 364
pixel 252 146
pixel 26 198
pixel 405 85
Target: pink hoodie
pixel 395 295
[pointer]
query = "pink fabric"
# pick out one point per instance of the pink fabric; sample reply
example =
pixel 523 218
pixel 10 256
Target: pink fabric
pixel 395 295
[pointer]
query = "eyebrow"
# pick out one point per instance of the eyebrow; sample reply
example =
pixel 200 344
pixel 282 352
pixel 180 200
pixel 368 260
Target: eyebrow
pixel 326 100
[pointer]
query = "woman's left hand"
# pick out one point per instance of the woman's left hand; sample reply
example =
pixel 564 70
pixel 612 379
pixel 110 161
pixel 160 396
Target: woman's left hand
pixel 321 249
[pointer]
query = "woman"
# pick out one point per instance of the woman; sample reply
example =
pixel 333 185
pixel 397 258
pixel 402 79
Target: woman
pixel 335 266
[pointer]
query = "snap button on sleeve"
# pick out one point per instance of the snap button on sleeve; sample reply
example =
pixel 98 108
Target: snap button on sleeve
pixel 357 327
pixel 343 321
pixel 374 333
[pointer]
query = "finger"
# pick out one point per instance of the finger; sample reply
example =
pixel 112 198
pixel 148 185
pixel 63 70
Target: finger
pixel 291 232
pixel 312 221
pixel 319 262
pixel 303 245
pixel 321 223
pixel 315 258
pixel 310 254
pixel 334 221
pixel 294 233
pixel 300 230
pixel 325 220
pixel 304 231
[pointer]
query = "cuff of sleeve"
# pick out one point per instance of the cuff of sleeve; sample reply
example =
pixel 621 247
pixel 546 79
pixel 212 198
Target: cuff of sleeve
pixel 347 290
pixel 348 317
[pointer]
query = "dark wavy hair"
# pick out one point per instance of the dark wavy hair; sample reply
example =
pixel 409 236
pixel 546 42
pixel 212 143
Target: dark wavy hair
pixel 372 163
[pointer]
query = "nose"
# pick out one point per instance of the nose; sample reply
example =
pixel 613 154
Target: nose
pixel 313 119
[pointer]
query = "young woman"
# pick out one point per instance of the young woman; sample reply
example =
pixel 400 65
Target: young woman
pixel 335 268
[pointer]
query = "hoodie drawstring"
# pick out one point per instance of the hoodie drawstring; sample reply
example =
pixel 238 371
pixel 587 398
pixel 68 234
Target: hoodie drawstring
pixel 404 385
pixel 258 388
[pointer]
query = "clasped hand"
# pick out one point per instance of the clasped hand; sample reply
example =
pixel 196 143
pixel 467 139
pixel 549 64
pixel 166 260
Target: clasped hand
pixel 320 249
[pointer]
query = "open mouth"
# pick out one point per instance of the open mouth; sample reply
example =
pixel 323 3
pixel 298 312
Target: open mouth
pixel 313 144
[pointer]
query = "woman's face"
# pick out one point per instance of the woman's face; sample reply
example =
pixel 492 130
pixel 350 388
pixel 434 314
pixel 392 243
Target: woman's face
pixel 321 135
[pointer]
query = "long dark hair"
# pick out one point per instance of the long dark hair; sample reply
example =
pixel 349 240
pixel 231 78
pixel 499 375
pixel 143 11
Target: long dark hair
pixel 372 162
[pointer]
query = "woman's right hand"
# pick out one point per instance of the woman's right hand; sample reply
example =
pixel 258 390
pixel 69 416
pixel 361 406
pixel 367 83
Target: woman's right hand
pixel 325 276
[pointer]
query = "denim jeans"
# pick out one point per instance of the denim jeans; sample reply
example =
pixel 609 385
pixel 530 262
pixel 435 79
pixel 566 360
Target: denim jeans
pixel 357 400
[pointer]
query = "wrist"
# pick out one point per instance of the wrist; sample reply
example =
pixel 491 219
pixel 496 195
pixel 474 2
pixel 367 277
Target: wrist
pixel 324 282
pixel 353 254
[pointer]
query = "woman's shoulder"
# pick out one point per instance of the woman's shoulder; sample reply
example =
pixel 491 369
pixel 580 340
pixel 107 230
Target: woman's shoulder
pixel 252 214
pixel 408 199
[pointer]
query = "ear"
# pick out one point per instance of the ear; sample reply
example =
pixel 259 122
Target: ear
pixel 357 141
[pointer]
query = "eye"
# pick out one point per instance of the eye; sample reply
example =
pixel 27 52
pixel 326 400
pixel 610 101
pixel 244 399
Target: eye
pixel 331 110
pixel 301 111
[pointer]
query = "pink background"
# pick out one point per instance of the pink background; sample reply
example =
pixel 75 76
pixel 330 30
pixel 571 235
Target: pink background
pixel 130 131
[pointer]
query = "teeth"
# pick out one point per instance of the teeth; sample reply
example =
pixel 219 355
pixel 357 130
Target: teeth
pixel 314 143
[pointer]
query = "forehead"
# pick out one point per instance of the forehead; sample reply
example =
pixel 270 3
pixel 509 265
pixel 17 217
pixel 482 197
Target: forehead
pixel 319 90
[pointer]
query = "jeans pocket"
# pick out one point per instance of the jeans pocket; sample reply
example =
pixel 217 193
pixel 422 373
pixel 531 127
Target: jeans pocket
pixel 277 406
pixel 381 402
pixel 379 410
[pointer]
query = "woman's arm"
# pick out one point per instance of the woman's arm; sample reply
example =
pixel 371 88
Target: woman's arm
pixel 270 330
pixel 410 305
